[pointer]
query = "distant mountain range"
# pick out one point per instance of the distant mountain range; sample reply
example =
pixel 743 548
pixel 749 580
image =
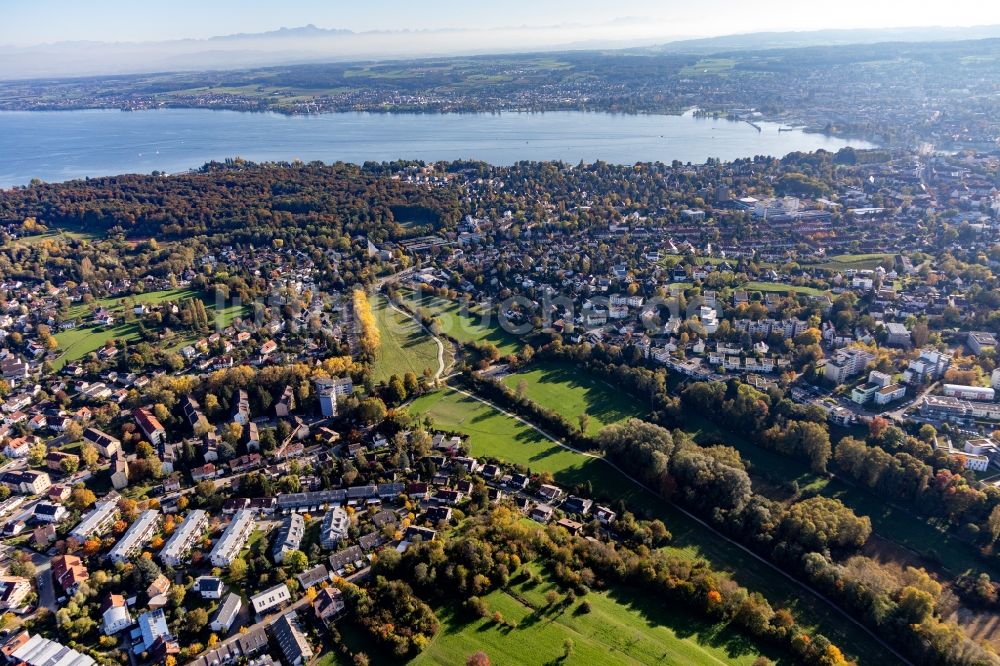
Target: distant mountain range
pixel 310 44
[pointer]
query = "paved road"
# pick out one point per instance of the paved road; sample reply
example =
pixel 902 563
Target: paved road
pixel 767 563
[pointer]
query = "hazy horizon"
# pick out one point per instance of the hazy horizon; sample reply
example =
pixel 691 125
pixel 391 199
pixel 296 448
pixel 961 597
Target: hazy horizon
pixel 53 38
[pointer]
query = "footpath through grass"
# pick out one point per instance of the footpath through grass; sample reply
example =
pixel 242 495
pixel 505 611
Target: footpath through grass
pixel 492 434
pixel 405 346
pixel 467 325
pixel 569 391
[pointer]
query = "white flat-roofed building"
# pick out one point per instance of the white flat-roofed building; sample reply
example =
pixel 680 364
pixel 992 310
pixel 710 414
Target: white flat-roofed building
pixel 183 538
pixel 97 521
pixel 138 535
pixel 968 392
pixel 233 539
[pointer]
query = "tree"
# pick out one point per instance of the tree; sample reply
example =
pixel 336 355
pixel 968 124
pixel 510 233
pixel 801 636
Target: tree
pixel 296 561
pixel 478 659
pixel 196 620
pixel 37 453
pixel 69 465
pixel 372 410
pixel 993 523
pixel 89 455
pixel 238 569
pixel 82 497
pixel 584 420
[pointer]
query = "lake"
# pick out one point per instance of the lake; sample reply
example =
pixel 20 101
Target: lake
pixel 61 145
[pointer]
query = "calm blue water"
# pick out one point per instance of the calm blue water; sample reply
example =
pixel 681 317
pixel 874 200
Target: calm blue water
pixel 61 145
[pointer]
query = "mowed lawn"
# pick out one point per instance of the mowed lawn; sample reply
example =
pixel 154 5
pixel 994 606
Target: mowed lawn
pixel 405 346
pixel 467 325
pixel 569 391
pixel 623 627
pixel 495 435
pixel 76 343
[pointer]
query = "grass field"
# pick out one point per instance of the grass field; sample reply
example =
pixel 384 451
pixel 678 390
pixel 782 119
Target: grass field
pixel 76 343
pixel 570 392
pixel 467 326
pixel 841 262
pixel 495 435
pixel 622 628
pixel 405 346
pixel 781 288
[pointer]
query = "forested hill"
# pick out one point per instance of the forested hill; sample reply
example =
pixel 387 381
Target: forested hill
pixel 245 202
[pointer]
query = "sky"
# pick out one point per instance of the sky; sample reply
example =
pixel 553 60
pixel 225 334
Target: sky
pixel 30 22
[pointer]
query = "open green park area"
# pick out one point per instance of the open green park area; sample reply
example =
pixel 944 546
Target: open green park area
pixel 467 325
pixel 624 626
pixel 405 346
pixel 569 391
pixel 75 343
pixel 492 434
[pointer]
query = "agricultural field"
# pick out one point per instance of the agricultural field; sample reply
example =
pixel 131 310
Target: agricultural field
pixel 570 392
pixel 467 326
pixel 405 346
pixel 492 434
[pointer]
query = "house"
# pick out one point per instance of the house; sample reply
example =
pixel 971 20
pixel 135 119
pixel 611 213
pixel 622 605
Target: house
pixel 206 471
pixel 54 460
pixel 68 571
pixel 349 557
pixel 968 392
pixel 119 471
pixel 114 615
pixel 241 408
pixel 329 604
pixel 27 482
pixel 153 629
pixel 286 403
pixel 542 513
pixel 577 505
pixel 291 640
pixel 150 426
pixel 13 591
pixel 105 444
pixel 47 512
pixel 226 613
pixel 313 576
pixel 270 598
pixel 43 536
pixel 604 515
pixel 209 587
pixel 550 493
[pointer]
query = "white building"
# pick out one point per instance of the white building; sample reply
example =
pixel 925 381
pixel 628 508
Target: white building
pixel 270 598
pixel 233 539
pixel 968 392
pixel 97 521
pixel 336 522
pixel 183 538
pixel 138 535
